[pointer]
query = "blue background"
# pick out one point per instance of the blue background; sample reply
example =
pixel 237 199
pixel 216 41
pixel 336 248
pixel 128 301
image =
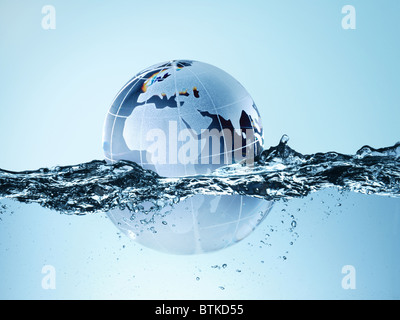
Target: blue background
pixel 326 87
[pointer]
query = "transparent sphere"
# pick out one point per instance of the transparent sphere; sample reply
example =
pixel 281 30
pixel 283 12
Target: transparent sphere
pixel 182 118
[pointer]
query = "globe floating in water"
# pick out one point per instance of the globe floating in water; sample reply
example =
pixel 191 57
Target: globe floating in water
pixel 182 118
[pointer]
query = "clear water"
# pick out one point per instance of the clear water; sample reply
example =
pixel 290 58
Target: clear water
pixel 280 173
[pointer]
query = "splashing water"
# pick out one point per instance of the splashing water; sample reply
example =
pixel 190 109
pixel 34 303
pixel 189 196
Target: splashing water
pixel 279 173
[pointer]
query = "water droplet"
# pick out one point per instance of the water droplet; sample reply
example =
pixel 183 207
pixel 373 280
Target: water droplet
pixel 164 223
pixel 176 199
pixel 152 229
pixel 224 265
pixel 160 203
pixel 221 287
pixel 197 278
pixel 284 139
pixel 294 224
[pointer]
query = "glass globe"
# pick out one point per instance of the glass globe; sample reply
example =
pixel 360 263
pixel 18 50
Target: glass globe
pixel 182 118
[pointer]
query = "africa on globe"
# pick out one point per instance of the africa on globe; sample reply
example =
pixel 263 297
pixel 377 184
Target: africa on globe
pixel 184 118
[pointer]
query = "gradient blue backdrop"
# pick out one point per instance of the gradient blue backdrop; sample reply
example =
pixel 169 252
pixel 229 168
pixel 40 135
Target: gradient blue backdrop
pixel 326 87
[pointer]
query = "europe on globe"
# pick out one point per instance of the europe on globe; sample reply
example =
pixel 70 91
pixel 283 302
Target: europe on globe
pixel 184 118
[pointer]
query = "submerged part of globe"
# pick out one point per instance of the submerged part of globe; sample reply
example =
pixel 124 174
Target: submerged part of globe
pixel 181 118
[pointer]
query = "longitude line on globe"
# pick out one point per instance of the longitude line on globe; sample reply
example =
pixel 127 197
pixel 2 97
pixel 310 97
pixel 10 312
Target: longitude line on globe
pixel 119 108
pixel 226 149
pixel 196 232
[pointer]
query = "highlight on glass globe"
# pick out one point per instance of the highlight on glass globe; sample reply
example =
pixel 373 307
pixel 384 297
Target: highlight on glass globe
pixel 185 118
